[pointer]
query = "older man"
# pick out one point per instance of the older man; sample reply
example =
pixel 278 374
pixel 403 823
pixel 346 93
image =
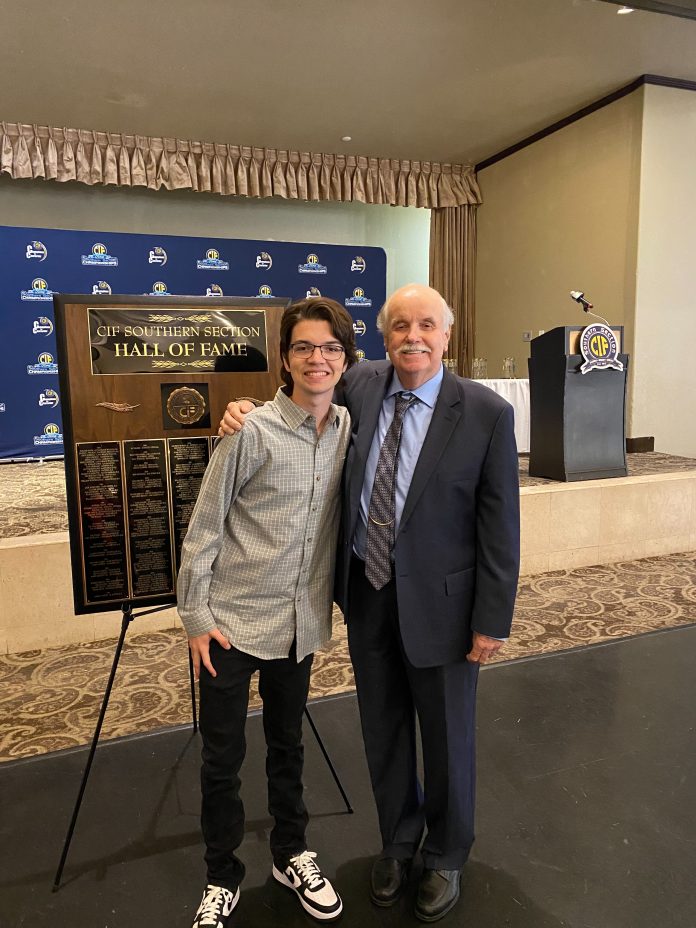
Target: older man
pixel 426 577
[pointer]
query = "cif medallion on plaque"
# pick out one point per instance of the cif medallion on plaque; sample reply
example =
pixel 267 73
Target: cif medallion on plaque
pixel 185 406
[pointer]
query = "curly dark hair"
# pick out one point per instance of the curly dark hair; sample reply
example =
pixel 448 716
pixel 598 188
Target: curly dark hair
pixel 339 319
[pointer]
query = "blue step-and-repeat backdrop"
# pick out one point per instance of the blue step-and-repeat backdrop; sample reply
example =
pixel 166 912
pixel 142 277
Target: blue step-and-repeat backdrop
pixel 36 263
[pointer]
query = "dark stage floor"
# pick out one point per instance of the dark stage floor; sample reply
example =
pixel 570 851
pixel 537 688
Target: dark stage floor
pixel 586 812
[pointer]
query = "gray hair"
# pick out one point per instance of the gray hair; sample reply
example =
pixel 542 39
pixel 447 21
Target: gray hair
pixel 383 315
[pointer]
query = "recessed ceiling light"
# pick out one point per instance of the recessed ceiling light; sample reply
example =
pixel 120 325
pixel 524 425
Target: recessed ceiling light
pixel 346 138
pixel 624 9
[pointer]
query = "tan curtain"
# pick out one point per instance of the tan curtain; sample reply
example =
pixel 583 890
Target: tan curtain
pixel 452 268
pixel 90 157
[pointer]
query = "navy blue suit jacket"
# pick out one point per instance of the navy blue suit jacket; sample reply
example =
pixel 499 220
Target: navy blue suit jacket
pixel 456 554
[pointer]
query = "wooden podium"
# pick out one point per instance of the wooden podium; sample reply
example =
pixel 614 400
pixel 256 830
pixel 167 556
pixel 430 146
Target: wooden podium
pixel 577 421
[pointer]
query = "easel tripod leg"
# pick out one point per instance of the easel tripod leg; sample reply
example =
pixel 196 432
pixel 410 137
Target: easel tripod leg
pixel 328 761
pixel 127 618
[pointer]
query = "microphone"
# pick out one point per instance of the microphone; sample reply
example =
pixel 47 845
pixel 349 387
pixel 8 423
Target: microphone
pixel 579 297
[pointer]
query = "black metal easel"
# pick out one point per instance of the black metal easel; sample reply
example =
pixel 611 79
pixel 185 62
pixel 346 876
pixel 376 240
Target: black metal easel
pixel 128 617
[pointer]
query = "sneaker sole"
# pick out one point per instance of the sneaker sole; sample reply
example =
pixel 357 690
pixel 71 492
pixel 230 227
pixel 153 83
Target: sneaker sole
pixel 321 916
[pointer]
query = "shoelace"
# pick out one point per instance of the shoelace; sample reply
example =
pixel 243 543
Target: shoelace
pixel 212 906
pixel 309 871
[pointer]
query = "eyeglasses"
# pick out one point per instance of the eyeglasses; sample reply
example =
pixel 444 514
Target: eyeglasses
pixel 304 350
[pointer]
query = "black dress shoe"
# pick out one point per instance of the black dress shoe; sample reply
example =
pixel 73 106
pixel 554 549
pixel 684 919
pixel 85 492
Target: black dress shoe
pixel 438 892
pixel 388 879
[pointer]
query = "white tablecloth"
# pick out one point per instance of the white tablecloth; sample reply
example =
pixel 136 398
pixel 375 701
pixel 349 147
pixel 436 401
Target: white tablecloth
pixel 516 392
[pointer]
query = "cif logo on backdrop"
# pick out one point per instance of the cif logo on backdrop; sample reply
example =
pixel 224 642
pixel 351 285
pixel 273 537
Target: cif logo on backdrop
pixel 100 256
pixel 37 251
pixel 44 365
pixel 264 290
pixel 264 260
pixel 42 326
pixel 51 435
pixel 159 288
pixel 599 348
pixel 312 266
pixel 157 256
pixel 214 290
pixel 358 264
pixel 49 398
pixel 360 354
pixel 39 290
pixel 312 292
pixel 359 327
pixel 212 262
pixel 358 298
pixel 101 286
pixel 3 408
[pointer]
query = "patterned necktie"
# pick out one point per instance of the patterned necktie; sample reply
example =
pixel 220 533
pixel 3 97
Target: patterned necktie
pixel 381 514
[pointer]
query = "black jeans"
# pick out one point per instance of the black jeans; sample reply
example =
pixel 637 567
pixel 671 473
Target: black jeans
pixel 224 700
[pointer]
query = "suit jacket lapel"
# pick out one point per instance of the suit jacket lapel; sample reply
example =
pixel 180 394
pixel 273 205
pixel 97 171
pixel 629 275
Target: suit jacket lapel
pixel 448 410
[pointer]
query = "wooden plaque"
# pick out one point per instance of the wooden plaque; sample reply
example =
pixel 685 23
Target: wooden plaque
pixel 144 382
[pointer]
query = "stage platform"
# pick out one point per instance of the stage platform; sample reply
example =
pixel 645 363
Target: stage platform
pixel 564 526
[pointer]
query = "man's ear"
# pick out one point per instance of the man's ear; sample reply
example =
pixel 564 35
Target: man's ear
pixel 284 359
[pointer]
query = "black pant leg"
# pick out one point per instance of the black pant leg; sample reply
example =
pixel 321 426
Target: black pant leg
pixel 387 713
pixel 445 699
pixel 224 702
pixel 284 686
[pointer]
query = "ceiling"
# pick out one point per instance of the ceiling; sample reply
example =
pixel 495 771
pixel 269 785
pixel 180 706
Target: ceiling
pixel 441 80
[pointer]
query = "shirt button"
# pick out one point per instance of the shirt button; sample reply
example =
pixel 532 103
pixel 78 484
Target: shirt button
pixel 309 539
pixel 318 477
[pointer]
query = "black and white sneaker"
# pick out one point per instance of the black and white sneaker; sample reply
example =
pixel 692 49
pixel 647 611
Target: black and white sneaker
pixel 316 894
pixel 216 907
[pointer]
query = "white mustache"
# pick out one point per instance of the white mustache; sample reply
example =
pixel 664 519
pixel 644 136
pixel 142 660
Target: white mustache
pixel 413 349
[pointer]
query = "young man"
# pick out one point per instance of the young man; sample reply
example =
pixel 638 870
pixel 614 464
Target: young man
pixel 255 593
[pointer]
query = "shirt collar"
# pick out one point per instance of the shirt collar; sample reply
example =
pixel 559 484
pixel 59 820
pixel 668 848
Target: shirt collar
pixel 427 393
pixel 294 416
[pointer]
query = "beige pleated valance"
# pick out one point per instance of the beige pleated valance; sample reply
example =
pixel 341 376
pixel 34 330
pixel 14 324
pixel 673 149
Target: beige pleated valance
pixel 29 151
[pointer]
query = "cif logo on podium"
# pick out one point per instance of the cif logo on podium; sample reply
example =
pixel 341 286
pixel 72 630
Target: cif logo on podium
pixel 312 266
pixel 264 291
pixel 212 262
pixel 39 290
pixel 599 348
pixel 358 298
pixel 100 256
pixel 36 251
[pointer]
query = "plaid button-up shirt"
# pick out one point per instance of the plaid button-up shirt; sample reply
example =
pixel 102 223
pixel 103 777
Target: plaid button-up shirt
pixel 258 557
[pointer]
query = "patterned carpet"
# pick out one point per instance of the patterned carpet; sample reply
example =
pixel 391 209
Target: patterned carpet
pixel 32 496
pixel 49 700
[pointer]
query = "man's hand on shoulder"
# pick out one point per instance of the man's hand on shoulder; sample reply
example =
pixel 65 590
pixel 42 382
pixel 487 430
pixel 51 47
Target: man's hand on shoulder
pixel 483 648
pixel 234 417
pixel 200 650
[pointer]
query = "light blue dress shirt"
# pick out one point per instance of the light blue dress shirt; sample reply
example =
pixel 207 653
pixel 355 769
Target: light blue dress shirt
pixel 416 422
